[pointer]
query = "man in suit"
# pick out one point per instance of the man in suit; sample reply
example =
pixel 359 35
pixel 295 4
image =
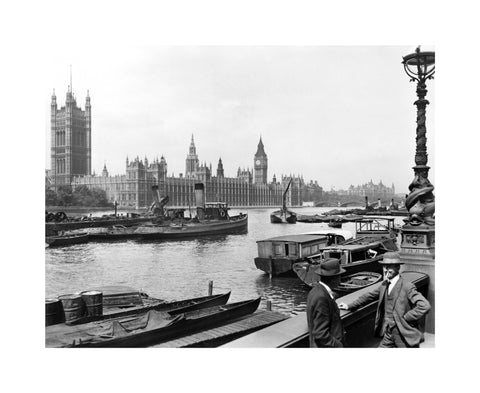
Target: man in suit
pixel 399 309
pixel 323 315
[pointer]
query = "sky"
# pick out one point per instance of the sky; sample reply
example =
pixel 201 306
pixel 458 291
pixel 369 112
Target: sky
pixel 339 115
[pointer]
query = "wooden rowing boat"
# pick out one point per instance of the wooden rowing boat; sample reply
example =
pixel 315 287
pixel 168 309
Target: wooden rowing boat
pixel 354 282
pixel 173 308
pixel 147 329
pixel 351 282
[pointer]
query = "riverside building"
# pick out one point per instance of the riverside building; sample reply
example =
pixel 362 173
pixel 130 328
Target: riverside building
pixel 248 188
pixel 71 136
pixel 71 165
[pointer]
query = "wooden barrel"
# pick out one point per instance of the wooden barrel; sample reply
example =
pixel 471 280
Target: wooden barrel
pixel 73 307
pixel 53 312
pixel 94 302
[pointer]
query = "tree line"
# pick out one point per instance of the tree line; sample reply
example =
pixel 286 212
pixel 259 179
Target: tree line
pixel 80 196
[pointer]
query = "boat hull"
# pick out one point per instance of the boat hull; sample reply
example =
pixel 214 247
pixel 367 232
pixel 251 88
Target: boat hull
pixel 61 241
pixel 165 329
pixel 306 270
pixel 275 267
pixel 193 230
pixel 173 308
pixel 279 218
pixel 113 235
pixel 335 224
pixel 93 223
pixel 353 282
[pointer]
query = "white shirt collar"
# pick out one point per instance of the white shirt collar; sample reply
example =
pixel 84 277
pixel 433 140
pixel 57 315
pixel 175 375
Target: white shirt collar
pixel 393 281
pixel 327 288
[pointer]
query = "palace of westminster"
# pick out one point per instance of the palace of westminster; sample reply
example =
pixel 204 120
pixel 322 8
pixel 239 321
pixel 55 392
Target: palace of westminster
pixel 71 165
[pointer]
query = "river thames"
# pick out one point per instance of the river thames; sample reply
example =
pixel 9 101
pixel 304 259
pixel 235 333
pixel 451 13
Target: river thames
pixel 174 270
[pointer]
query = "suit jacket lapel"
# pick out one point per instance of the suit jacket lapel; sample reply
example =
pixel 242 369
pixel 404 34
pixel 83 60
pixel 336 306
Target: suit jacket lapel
pixel 396 290
pixel 383 288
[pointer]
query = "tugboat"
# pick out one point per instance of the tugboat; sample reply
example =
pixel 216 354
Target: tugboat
pixel 212 219
pixel 284 215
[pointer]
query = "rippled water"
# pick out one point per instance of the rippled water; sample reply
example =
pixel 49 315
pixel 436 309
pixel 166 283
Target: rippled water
pixel 182 269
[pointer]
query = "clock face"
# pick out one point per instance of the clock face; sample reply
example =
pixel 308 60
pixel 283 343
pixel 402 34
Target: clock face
pixel 257 162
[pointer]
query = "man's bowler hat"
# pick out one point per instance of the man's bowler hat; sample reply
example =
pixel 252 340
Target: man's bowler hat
pixel 391 258
pixel 330 267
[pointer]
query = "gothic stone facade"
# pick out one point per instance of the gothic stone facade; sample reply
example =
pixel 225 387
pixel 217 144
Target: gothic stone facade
pixel 70 148
pixel 133 190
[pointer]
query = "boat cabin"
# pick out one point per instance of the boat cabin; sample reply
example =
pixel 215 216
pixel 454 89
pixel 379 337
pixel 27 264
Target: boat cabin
pixel 296 246
pixel 174 213
pixel 216 210
pixel 360 249
pixel 382 226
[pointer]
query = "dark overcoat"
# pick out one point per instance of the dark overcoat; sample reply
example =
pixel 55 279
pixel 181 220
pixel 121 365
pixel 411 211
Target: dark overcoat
pixel 323 318
pixel 409 306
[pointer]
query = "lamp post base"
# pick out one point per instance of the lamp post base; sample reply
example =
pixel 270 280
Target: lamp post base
pixel 417 251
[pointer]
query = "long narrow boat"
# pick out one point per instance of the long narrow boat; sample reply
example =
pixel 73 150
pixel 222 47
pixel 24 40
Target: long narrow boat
pixel 173 308
pixel 150 328
pixel 356 281
pixel 351 282
pixel 66 240
pixel 95 222
pixel 191 229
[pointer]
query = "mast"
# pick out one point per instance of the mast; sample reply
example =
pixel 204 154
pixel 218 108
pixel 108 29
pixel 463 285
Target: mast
pixel 284 206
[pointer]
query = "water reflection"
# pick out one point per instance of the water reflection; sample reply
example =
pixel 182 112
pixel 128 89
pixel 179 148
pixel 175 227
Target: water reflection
pixel 287 294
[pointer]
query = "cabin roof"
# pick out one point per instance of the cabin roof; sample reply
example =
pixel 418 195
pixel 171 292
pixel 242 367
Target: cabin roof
pixel 300 238
pixel 332 231
pixel 354 246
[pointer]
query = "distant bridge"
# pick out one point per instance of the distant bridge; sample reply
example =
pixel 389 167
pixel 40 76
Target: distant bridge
pixel 373 203
pixel 343 202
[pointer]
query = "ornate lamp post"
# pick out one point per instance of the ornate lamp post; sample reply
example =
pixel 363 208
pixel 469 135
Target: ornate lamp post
pixel 418 234
pixel 420 66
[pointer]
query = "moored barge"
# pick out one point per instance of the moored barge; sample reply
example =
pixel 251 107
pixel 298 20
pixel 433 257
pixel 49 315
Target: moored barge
pixel 277 255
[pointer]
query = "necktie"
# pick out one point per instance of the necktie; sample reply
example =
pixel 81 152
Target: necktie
pixel 387 286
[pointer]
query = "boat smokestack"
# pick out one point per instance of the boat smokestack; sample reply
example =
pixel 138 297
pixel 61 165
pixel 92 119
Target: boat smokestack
pixel 366 202
pixel 156 193
pixel 200 200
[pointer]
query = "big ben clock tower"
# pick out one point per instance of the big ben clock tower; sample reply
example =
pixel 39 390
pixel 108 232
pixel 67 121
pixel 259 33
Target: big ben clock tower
pixel 260 164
